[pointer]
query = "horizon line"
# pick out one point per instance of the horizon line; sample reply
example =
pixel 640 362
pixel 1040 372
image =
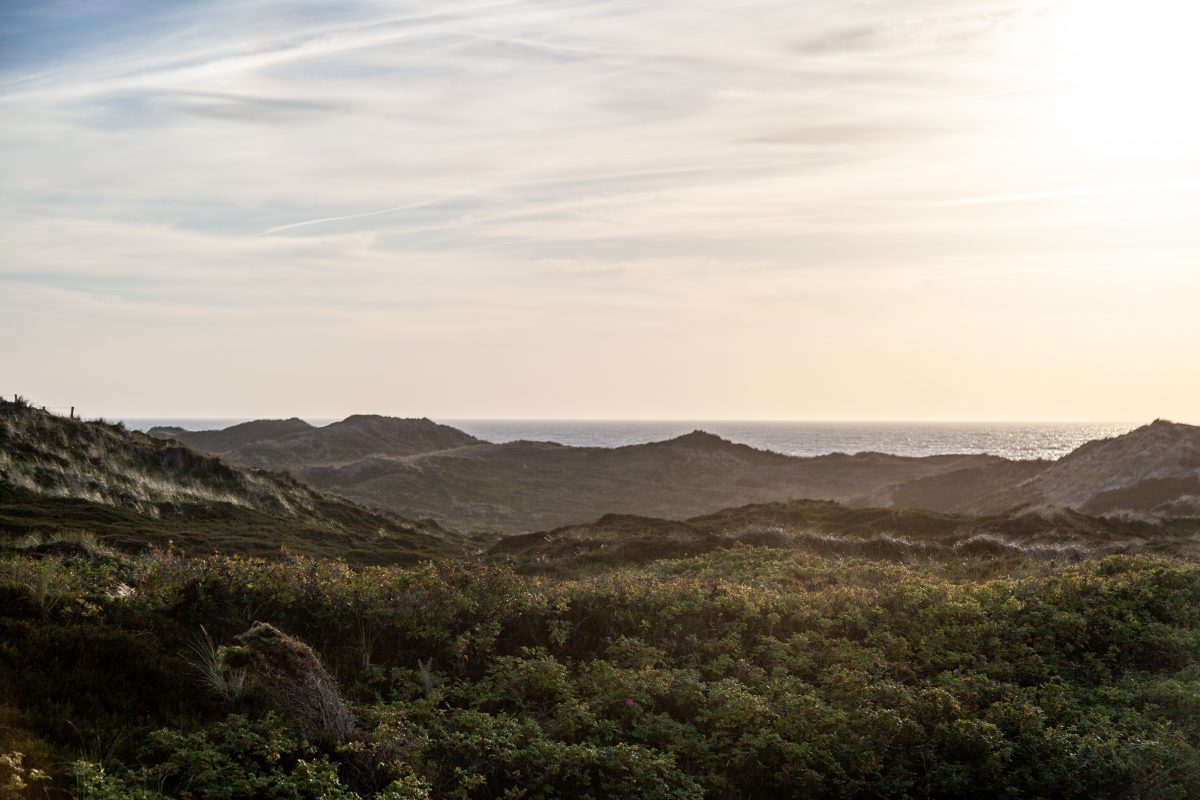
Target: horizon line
pixel 659 420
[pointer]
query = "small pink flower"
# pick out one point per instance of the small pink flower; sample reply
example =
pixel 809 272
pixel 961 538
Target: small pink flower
pixel 629 701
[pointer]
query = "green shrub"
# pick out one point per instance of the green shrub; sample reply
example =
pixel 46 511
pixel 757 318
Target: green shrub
pixel 740 674
pixel 235 758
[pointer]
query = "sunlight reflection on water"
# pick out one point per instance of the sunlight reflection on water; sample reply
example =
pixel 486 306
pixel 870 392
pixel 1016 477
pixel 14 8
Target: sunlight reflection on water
pixel 1015 440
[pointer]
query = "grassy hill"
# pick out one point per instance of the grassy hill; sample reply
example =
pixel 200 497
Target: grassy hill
pixel 287 444
pixel 133 490
pixel 830 529
pixel 419 469
pixel 243 434
pixel 1153 469
pixel 521 486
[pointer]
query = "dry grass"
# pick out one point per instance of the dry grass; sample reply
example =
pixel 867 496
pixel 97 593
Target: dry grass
pixel 227 683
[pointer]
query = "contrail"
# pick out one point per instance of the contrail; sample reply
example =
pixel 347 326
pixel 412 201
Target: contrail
pixel 322 220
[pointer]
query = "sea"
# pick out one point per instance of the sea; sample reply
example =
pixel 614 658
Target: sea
pixel 1013 440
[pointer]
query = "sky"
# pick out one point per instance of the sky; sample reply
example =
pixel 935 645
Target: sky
pixel 602 209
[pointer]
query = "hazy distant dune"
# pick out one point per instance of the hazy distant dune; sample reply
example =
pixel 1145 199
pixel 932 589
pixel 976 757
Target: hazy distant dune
pixel 1154 468
pixel 419 468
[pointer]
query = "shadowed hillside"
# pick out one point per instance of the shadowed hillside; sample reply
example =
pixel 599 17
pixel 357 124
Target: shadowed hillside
pixel 830 529
pixel 419 469
pixel 522 485
pixel 235 436
pixel 1153 469
pixel 285 444
pixel 133 489
pixel 519 486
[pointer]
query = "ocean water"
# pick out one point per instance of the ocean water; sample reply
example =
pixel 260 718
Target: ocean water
pixel 1015 440
pixel 1021 440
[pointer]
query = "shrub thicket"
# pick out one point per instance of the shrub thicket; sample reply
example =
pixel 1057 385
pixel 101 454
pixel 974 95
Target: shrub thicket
pixel 747 673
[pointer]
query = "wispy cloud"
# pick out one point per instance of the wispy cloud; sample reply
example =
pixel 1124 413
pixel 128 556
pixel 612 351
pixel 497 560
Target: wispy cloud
pixel 1154 187
pixel 496 170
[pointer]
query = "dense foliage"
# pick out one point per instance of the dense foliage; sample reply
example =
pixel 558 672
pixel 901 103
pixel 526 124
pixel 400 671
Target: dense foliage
pixel 744 673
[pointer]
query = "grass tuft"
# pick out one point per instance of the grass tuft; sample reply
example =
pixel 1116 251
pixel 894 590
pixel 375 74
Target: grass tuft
pixel 227 683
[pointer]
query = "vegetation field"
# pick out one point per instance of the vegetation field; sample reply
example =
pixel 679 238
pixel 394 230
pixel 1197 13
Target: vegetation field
pixel 745 673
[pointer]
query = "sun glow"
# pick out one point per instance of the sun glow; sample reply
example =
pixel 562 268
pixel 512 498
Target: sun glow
pixel 1120 83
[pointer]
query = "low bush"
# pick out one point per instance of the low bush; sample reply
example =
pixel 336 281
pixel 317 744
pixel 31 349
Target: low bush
pixel 744 673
